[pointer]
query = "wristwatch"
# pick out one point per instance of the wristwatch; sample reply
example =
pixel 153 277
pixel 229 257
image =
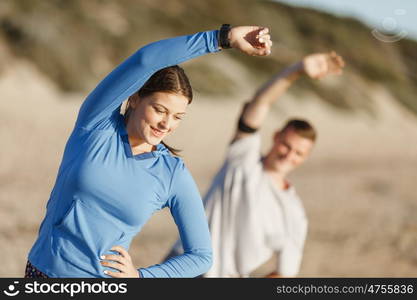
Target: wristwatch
pixel 223 38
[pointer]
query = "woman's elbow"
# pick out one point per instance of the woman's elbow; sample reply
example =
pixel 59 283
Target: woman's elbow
pixel 206 261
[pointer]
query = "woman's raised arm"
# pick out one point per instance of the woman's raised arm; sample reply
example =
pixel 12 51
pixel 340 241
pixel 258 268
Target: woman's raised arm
pixel 130 75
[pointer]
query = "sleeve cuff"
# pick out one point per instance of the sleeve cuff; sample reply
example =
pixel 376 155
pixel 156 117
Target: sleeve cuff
pixel 214 43
pixel 140 273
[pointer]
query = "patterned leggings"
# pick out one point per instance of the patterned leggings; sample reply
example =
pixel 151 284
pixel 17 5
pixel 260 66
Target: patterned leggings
pixel 32 272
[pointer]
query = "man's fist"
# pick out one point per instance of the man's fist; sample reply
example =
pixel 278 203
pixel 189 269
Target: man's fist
pixel 322 64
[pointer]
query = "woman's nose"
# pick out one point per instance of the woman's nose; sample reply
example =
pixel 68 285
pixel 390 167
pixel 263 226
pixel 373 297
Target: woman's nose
pixel 164 123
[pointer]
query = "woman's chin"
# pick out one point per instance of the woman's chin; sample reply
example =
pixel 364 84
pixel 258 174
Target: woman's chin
pixel 153 140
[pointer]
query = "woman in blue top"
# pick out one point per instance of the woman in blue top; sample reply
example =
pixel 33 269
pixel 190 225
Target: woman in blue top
pixel 116 171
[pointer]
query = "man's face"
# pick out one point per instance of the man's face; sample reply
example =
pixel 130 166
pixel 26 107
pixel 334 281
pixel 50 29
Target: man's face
pixel 289 150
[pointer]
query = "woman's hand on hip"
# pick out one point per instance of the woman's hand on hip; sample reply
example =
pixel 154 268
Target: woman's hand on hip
pixel 251 40
pixel 122 262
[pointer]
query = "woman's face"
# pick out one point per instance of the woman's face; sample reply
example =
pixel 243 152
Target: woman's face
pixel 156 115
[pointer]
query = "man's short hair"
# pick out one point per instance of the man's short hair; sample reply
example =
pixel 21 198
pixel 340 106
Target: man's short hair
pixel 302 128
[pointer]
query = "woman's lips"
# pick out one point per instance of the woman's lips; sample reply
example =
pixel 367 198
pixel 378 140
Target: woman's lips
pixel 157 132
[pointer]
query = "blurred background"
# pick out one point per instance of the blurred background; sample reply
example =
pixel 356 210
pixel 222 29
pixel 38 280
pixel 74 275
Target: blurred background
pixel 359 187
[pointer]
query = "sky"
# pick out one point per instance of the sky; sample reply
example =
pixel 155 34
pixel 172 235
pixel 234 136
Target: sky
pixel 390 20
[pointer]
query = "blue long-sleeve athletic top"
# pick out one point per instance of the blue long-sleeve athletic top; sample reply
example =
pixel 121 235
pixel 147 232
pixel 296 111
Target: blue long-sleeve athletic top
pixel 104 194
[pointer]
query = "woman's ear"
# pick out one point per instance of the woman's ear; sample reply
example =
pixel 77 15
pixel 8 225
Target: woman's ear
pixel 133 100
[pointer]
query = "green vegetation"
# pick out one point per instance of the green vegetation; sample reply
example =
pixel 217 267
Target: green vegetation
pixel 77 42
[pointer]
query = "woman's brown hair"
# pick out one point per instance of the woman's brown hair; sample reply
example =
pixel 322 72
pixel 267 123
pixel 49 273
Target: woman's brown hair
pixel 171 80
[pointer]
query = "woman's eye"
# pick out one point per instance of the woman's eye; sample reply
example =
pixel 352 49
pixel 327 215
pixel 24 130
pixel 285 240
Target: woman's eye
pixel 177 118
pixel 158 110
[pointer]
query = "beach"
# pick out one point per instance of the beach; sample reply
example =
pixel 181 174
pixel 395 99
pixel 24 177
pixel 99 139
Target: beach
pixel 358 187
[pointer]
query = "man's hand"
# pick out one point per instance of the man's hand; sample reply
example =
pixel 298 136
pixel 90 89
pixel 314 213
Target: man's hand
pixel 122 262
pixel 251 40
pixel 322 64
